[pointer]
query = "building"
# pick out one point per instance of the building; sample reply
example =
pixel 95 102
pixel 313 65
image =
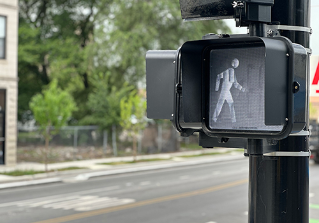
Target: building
pixel 314 87
pixel 8 81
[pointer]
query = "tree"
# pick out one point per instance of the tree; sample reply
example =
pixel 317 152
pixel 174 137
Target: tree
pixel 103 104
pixel 80 41
pixel 54 42
pixel 133 109
pixel 50 109
pixel 135 26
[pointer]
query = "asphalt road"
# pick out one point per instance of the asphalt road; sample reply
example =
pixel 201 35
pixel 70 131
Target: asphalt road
pixel 208 193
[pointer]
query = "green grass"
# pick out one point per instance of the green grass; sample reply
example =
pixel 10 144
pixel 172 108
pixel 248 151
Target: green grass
pixel 158 159
pixel 71 168
pixel 190 146
pixel 16 173
pixel 212 153
pixel 202 154
pixel 129 162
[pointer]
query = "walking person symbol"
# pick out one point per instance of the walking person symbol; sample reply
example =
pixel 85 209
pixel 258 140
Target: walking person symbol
pixel 225 94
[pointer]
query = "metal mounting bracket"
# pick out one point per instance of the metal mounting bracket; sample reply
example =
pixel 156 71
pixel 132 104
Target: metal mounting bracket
pixel 273 30
pixel 290 28
pixel 301 133
pixel 287 153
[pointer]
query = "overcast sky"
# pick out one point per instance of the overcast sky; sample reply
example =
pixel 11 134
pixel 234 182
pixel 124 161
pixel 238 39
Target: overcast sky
pixel 314 23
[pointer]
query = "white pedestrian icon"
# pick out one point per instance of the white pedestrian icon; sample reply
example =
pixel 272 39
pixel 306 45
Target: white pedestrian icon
pixel 225 95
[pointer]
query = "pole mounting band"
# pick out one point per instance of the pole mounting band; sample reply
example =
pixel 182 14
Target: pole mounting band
pixel 287 153
pixel 301 133
pixel 309 51
pixel 290 28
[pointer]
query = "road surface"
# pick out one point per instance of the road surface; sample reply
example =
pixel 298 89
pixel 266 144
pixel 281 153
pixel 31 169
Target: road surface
pixel 208 193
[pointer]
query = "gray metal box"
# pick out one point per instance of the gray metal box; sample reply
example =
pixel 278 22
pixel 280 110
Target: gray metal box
pixel 160 83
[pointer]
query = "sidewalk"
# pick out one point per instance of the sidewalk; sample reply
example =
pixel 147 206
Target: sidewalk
pixel 95 168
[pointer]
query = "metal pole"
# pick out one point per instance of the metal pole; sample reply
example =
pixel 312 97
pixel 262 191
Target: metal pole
pixel 279 181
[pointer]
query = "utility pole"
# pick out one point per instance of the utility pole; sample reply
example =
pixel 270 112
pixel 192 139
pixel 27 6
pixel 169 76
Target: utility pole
pixel 279 174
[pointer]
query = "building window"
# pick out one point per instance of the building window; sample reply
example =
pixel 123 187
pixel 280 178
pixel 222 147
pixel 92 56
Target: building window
pixel 3 37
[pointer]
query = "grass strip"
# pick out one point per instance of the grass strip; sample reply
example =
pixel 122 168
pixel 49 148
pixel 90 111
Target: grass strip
pixel 16 173
pixel 159 159
pixel 205 154
pixel 71 168
pixel 130 162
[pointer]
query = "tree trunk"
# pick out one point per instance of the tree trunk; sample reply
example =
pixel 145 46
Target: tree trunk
pixel 134 148
pixel 85 80
pixel 46 149
pixel 114 140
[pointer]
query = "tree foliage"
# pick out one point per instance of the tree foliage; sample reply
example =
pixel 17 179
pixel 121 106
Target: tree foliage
pixel 52 108
pixel 133 108
pixel 53 39
pixel 312 111
pixel 96 48
pixel 103 105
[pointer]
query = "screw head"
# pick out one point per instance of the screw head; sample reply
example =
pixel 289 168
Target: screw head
pixel 270 32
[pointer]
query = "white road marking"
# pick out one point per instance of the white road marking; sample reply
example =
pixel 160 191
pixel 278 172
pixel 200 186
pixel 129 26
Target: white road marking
pixel 70 203
pixel 106 205
pixel 216 172
pixel 90 202
pixel 61 195
pixel 37 204
pixel 184 177
pixel 211 222
pixel 79 203
pixel 144 183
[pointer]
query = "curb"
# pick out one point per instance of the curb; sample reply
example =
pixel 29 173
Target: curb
pixel 30 183
pixel 86 176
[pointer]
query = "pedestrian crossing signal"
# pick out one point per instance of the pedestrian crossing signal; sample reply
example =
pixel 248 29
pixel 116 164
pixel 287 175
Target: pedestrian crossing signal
pixel 235 87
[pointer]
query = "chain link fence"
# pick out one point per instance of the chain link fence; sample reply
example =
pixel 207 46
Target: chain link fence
pixel 89 142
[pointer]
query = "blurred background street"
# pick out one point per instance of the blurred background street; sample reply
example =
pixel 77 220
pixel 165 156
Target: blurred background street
pixel 215 192
pixel 75 142
pixel 212 192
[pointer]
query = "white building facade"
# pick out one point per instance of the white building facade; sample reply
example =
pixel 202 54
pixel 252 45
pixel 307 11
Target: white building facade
pixel 8 81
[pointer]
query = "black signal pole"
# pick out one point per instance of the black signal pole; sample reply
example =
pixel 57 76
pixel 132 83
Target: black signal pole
pixel 279 171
